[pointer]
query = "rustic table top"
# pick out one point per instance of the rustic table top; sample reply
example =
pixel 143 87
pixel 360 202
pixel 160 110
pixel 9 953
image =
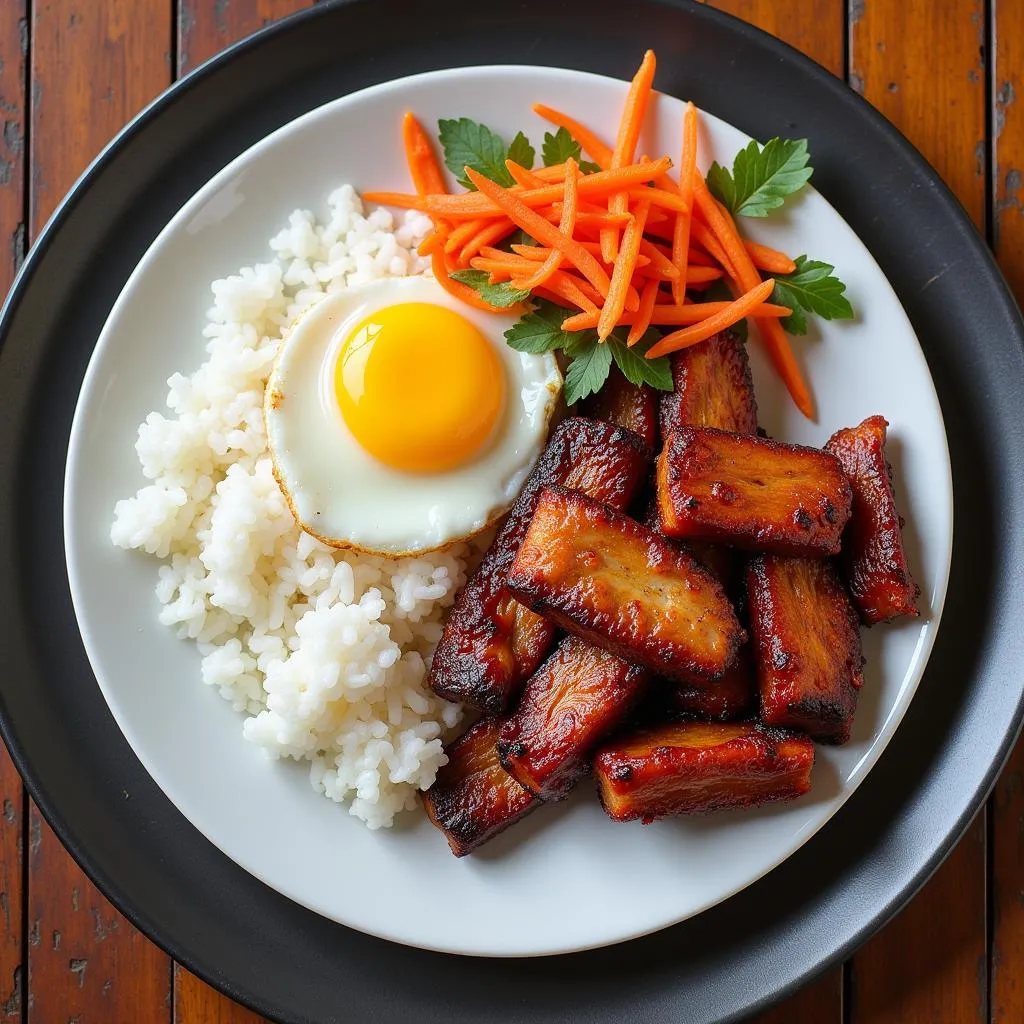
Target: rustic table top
pixel 945 72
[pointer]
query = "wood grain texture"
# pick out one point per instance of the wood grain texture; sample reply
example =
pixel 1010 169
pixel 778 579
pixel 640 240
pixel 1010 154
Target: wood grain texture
pixel 13 167
pixel 95 63
pixel 816 28
pixel 1007 804
pixel 205 27
pixel 196 1003
pixel 922 65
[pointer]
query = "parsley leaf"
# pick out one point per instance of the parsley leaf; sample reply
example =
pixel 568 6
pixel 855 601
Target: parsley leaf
pixel 719 292
pixel 540 330
pixel 588 370
pixel 811 288
pixel 761 178
pixel 501 294
pixel 635 367
pixel 469 144
pixel 521 152
pixel 559 147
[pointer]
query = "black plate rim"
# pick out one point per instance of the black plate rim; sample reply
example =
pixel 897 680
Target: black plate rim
pixel 168 98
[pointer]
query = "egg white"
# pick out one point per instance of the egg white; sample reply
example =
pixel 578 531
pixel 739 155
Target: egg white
pixel 340 493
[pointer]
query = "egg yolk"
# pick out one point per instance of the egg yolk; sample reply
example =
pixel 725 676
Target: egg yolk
pixel 420 388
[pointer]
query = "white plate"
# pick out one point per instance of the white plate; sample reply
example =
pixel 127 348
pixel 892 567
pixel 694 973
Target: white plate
pixel 567 878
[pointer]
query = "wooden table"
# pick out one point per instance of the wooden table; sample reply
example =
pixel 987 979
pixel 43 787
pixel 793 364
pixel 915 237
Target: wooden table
pixel 946 72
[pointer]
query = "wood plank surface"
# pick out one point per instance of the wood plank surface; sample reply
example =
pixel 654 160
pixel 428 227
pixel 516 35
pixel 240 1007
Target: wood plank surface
pixel 816 28
pixel 1007 805
pixel 13 168
pixel 922 65
pixel 95 63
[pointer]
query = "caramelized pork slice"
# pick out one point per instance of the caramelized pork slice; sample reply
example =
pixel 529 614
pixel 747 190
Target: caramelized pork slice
pixel 491 644
pixel 569 704
pixel 731 696
pixel 873 560
pixel 691 767
pixel 473 798
pixel 632 407
pixel 806 646
pixel 607 579
pixel 751 492
pixel 713 387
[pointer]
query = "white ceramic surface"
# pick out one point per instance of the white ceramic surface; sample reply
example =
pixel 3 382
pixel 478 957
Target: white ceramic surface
pixel 567 878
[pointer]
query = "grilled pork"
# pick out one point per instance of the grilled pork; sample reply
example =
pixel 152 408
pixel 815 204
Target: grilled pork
pixel 491 644
pixel 729 697
pixel 690 767
pixel 473 798
pixel 570 703
pixel 713 388
pixel 751 492
pixel 873 560
pixel 806 646
pixel 632 407
pixel 611 581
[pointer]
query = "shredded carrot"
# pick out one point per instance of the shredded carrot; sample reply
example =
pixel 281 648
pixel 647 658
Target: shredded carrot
pixel 622 274
pixel 541 252
pixel 681 230
pixel 671 315
pixel 659 261
pixel 537 227
pixel 774 337
pixel 495 231
pixel 460 235
pixel 525 177
pixel 427 176
pixel 598 151
pixel 597 220
pixel 733 313
pixel 456 288
pixel 564 286
pixel 625 143
pixel 705 238
pixel 770 260
pixel 567 225
pixel 648 297
pixel 435 240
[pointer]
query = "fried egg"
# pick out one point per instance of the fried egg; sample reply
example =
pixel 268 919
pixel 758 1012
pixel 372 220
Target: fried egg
pixel 398 419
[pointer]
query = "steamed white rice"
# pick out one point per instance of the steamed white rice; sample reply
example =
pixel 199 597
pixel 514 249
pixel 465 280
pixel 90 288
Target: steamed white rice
pixel 324 652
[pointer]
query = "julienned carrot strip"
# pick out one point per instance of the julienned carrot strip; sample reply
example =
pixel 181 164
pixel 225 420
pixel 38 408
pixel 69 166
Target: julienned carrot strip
pixel 567 225
pixel 537 227
pixel 457 288
pixel 469 205
pixel 525 177
pixel 541 252
pixel 510 265
pixel 493 232
pixel 435 240
pixel 671 315
pixel 601 183
pixel 734 312
pixel 658 197
pixel 622 274
pixel 770 260
pixel 598 151
pixel 774 337
pixel 695 278
pixel 426 173
pixel 705 238
pixel 460 235
pixel 659 261
pixel 565 286
pixel 596 220
pixel 648 297
pixel 625 143
pixel 681 230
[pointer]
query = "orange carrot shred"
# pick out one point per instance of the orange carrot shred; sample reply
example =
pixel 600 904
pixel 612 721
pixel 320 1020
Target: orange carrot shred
pixel 494 231
pixel 537 227
pixel 456 288
pixel 427 176
pixel 525 177
pixel 671 315
pixel 733 313
pixel 770 260
pixel 622 274
pixel 567 225
pixel 598 151
pixel 625 143
pixel 648 297
pixel 681 230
